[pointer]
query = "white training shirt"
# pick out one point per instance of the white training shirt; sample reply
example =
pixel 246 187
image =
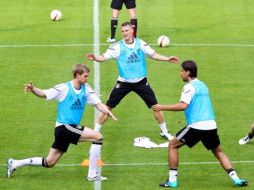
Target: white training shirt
pixel 187 94
pixel 113 52
pixel 60 91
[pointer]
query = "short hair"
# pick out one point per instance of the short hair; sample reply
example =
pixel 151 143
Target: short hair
pixel 126 24
pixel 191 66
pixel 79 69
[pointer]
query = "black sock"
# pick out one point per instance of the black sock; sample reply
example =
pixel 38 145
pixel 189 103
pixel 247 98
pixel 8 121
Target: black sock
pixel 251 135
pixel 230 170
pixel 134 23
pixel 114 23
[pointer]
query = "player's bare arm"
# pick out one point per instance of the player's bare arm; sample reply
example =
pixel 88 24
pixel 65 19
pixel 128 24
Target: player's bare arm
pixel 98 58
pixel 104 109
pixel 174 107
pixel 171 59
pixel 29 87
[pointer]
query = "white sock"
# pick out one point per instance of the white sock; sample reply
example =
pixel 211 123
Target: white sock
pixel 36 161
pixel 95 154
pixel 172 175
pixel 97 127
pixel 233 175
pixel 163 127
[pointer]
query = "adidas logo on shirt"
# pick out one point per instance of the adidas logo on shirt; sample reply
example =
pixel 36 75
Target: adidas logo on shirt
pixel 133 58
pixel 76 105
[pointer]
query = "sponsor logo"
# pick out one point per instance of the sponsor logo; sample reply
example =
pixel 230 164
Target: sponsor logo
pixel 133 58
pixel 76 105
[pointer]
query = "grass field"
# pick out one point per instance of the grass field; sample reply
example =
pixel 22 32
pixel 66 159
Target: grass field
pixel 217 34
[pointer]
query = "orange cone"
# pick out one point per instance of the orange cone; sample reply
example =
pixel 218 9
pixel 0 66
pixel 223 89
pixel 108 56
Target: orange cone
pixel 100 163
pixel 86 162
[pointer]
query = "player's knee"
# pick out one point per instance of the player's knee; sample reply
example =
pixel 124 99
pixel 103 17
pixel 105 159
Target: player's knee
pixel 174 144
pixel 100 136
pixel 51 163
pixel 98 141
pixel 48 163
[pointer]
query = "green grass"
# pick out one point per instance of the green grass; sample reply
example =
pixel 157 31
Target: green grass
pixel 27 122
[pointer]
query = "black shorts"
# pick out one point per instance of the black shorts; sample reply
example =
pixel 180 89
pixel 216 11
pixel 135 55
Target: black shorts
pixel 118 4
pixel 142 88
pixel 66 134
pixel 190 137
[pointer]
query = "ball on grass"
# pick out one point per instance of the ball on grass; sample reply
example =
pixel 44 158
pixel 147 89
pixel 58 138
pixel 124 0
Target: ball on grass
pixel 55 15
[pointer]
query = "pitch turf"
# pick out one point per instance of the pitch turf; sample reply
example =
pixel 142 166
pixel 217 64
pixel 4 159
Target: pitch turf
pixel 224 32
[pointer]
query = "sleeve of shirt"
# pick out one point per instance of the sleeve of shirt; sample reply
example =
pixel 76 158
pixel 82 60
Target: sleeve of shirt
pixel 112 52
pixel 187 93
pixel 91 97
pixel 146 48
pixel 57 92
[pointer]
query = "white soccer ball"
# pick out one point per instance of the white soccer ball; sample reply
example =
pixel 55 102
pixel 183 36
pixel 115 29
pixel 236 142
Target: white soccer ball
pixel 55 15
pixel 163 41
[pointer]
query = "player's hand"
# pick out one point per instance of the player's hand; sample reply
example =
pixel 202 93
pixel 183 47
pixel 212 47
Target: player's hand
pixel 174 59
pixel 90 56
pixel 157 107
pixel 28 87
pixel 110 114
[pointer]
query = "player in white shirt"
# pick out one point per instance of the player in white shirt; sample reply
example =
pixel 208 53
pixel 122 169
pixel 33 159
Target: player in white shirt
pixel 201 126
pixel 130 56
pixel 72 97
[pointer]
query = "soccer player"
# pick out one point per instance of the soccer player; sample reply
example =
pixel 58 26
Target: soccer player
pixel 116 6
pixel 130 56
pixel 248 137
pixel 72 97
pixel 201 125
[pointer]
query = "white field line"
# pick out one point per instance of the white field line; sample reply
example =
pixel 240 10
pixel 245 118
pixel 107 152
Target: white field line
pixel 98 44
pixel 96 51
pixel 157 164
pixel 181 163
pixel 97 184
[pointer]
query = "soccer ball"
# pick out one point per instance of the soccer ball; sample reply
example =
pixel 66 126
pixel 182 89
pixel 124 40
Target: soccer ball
pixel 55 15
pixel 163 41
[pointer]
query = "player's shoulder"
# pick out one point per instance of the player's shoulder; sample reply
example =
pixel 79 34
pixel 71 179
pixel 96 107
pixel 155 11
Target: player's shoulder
pixel 188 87
pixel 114 46
pixel 89 89
pixel 142 42
pixel 60 87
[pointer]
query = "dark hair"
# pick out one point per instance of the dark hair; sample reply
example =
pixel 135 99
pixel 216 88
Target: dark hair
pixel 191 66
pixel 79 69
pixel 126 24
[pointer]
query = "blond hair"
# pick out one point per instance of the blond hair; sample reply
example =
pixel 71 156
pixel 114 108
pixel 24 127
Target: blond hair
pixel 79 69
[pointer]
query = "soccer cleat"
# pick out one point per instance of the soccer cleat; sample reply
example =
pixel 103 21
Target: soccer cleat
pixel 97 177
pixel 244 140
pixel 169 184
pixel 10 167
pixel 111 40
pixel 240 182
pixel 167 135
